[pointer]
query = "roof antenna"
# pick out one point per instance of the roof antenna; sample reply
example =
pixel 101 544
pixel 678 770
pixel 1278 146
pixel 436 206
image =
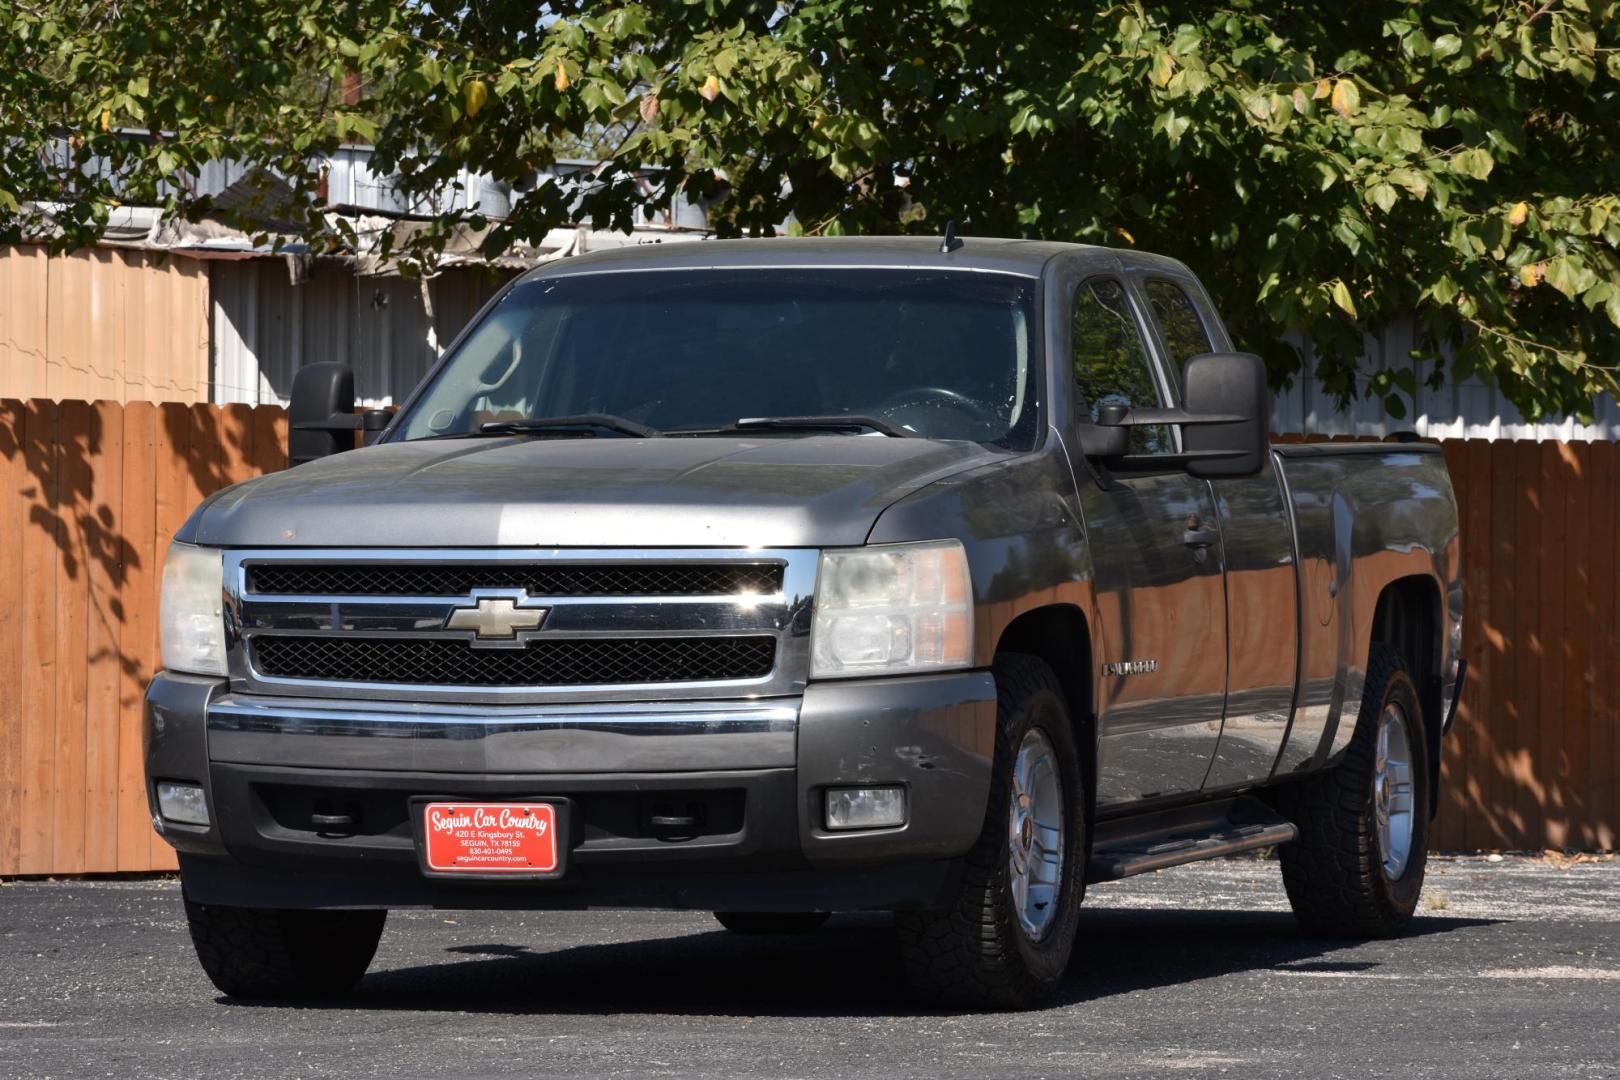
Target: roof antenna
pixel 951 241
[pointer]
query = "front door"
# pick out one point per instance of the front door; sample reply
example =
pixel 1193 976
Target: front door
pixel 1160 643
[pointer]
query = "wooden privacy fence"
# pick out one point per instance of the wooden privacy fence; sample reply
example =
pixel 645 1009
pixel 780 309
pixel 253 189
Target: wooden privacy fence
pixel 90 494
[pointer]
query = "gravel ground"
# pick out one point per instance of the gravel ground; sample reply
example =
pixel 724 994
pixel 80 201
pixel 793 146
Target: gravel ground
pixel 1513 970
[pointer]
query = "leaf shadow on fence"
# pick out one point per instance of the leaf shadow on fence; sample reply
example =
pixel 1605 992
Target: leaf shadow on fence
pixel 93 492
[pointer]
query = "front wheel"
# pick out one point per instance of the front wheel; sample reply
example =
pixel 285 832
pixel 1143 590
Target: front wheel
pixel 1358 864
pixel 1004 937
pixel 286 954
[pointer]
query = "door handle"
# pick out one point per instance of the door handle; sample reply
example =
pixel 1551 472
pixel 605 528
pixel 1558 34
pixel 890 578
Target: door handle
pixel 1201 538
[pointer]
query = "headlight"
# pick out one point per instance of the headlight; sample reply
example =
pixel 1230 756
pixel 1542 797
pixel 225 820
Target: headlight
pixel 192 614
pixel 892 608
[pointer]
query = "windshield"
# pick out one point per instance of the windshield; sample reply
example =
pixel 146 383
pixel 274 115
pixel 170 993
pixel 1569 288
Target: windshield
pixel 943 355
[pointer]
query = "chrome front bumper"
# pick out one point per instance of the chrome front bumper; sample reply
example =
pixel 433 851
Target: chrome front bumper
pixel 576 738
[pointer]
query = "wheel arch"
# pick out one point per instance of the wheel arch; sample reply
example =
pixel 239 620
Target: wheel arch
pixel 1409 617
pixel 1060 635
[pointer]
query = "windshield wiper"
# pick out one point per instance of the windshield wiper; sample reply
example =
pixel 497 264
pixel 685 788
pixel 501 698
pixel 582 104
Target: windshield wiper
pixel 534 425
pixel 844 422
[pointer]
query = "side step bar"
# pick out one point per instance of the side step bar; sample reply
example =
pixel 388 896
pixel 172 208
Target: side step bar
pixel 1136 845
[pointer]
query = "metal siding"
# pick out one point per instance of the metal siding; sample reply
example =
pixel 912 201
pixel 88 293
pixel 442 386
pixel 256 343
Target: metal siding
pixel 265 327
pixel 102 324
pixel 1472 409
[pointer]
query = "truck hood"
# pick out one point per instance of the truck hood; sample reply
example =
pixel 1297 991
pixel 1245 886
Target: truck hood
pixel 808 491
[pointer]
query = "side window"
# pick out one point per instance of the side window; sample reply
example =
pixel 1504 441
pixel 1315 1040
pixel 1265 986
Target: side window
pixel 1183 331
pixel 1111 364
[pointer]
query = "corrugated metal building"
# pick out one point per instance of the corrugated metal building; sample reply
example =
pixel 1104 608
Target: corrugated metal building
pixel 1470 409
pixel 109 324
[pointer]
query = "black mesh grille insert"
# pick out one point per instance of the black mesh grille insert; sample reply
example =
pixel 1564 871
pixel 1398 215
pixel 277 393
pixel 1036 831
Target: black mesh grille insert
pixel 459 579
pixel 576 662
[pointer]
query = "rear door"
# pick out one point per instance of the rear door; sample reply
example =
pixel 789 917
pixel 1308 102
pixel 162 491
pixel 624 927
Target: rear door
pixel 1156 556
pixel 1262 612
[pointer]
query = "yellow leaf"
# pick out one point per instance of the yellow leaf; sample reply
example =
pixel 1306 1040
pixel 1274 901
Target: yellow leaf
pixel 1531 273
pixel 1324 87
pixel 1517 215
pixel 475 95
pixel 561 82
pixel 106 119
pixel 710 88
pixel 1345 97
pixel 1341 296
pixel 1163 68
pixel 1127 237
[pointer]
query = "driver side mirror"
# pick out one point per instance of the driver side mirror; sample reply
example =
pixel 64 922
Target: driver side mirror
pixel 1233 385
pixel 1225 425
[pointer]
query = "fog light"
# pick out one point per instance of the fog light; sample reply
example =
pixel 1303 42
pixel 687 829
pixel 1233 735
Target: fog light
pixel 866 808
pixel 183 803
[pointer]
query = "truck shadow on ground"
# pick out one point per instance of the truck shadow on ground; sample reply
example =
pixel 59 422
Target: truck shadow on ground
pixel 724 974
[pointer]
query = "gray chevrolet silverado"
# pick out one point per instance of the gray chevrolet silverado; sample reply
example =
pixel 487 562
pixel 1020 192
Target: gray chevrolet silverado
pixel 782 578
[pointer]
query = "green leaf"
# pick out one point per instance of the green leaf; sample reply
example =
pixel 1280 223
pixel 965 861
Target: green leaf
pixel 1383 196
pixel 1476 163
pixel 1569 275
pixel 1447 45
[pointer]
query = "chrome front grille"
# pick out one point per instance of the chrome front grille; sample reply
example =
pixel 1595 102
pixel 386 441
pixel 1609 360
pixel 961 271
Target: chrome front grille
pixel 577 662
pixel 591 625
pixel 460 579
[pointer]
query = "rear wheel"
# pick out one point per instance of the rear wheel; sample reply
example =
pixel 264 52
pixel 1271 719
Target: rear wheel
pixel 1358 864
pixel 771 922
pixel 273 953
pixel 1004 938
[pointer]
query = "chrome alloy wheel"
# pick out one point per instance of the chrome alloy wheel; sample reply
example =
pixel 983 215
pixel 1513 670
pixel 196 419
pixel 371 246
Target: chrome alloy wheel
pixel 1035 834
pixel 1393 791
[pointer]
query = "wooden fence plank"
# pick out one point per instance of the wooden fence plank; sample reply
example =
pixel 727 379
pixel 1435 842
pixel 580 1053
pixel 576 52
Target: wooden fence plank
pixel 177 491
pixel 137 638
pixel 269 439
pixel 1576 662
pixel 1507 498
pixel 1548 746
pixel 1450 827
pixel 105 560
pixel 237 437
pixel 74 455
pixel 13 520
pixel 1604 739
pixel 36 816
pixel 1478 723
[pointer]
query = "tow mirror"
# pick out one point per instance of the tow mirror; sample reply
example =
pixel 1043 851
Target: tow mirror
pixel 320 417
pixel 1224 425
pixel 1227 384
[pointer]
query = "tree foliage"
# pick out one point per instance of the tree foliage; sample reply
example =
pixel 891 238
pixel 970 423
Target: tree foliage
pixel 1326 168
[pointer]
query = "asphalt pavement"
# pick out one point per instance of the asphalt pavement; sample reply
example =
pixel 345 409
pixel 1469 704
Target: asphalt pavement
pixel 1512 970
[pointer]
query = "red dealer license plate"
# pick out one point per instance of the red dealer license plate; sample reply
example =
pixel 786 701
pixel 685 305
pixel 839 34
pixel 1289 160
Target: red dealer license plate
pixel 490 838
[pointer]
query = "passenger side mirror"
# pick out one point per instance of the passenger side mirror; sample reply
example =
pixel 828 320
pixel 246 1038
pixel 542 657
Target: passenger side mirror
pixel 1224 426
pixel 320 417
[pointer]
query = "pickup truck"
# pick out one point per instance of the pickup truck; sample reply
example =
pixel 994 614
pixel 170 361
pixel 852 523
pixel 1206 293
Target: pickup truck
pixel 784 578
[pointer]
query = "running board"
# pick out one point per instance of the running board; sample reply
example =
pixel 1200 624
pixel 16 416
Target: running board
pixel 1136 845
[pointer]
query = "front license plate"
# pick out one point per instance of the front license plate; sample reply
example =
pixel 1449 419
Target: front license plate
pixel 490 838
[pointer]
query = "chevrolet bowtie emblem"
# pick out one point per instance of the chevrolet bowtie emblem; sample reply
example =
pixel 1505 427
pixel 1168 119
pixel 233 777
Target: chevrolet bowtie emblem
pixel 496 619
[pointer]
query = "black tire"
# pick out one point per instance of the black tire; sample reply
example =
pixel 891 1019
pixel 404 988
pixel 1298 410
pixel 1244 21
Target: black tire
pixel 269 953
pixel 772 922
pixel 1334 872
pixel 973 951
